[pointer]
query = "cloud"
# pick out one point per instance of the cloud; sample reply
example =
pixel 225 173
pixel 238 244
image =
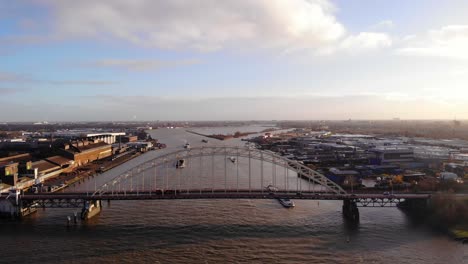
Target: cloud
pixel 357 44
pixel 114 107
pixel 26 39
pixel 13 77
pixel 9 77
pixel 459 72
pixel 142 65
pixel 81 82
pixel 377 106
pixel 366 41
pixel 449 42
pixel 383 25
pixel 202 25
pixel 10 91
pixel 205 25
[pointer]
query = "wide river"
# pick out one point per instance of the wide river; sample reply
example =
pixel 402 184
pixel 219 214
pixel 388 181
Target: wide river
pixel 220 231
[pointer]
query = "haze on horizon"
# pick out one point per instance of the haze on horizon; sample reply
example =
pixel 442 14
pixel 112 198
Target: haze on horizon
pixel 233 60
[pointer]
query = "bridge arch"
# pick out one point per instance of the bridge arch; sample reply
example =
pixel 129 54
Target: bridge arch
pixel 227 151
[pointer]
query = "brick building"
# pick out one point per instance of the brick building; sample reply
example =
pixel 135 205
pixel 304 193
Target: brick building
pixel 83 152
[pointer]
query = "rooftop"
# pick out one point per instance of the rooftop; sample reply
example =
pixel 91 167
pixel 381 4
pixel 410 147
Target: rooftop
pixel 83 148
pixel 6 163
pixel 4 187
pixel 85 133
pixel 59 160
pixel 393 149
pixel 44 165
pixel 16 158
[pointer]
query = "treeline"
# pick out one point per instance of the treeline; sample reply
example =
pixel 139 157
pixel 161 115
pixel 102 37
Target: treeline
pixel 437 129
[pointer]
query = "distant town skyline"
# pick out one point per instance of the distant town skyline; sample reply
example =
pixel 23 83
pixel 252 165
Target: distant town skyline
pixel 233 60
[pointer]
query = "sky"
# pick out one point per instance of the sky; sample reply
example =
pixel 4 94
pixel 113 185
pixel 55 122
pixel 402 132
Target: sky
pixel 92 60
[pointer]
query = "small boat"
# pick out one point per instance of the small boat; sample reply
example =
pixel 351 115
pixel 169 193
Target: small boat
pixel 286 202
pixel 271 189
pixel 233 159
pixel 180 164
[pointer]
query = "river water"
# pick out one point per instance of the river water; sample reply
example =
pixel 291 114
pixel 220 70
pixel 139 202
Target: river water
pixel 221 231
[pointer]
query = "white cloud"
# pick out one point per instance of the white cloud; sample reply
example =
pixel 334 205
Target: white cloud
pixel 82 82
pixel 459 72
pixel 449 41
pixel 202 25
pixel 265 108
pixel 124 107
pixel 9 91
pixel 9 77
pixel 12 77
pixel 366 41
pixel 383 25
pixel 141 65
pixel 285 26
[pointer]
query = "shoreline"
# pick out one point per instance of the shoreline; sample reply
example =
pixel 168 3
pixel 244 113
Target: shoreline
pixel 82 176
pixel 450 213
pixel 237 134
pixel 459 233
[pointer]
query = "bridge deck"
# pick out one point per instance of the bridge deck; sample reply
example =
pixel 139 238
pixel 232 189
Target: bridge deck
pixel 79 200
pixel 217 194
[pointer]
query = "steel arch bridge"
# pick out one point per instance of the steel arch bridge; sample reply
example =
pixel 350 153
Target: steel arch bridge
pixel 228 180
pixel 196 157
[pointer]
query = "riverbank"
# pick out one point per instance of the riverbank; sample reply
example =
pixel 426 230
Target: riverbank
pixel 196 133
pixel 63 181
pixel 449 212
pixel 223 136
pixel 237 134
pixel 460 233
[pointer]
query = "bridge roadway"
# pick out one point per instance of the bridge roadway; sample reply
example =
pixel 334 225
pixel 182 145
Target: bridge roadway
pixel 67 200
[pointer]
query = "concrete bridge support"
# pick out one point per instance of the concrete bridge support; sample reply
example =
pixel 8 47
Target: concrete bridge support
pixel 10 209
pixel 91 209
pixel 350 211
pixel 14 209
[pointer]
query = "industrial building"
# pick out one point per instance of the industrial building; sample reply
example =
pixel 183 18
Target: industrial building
pixel 127 139
pixel 107 137
pixel 9 173
pixel 84 152
pixel 386 155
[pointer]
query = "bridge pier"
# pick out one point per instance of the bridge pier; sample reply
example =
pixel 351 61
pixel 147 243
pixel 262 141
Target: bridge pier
pixel 350 211
pixel 91 209
pixel 10 209
pixel 14 208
